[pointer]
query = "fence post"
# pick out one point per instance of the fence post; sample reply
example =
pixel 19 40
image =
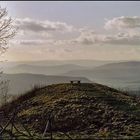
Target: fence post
pixel 51 127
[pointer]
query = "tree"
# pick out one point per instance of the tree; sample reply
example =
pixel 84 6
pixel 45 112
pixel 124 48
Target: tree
pixel 7 31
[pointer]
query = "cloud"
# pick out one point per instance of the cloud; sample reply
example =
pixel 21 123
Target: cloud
pixel 90 37
pixel 32 42
pixel 39 33
pixel 28 24
pixel 123 39
pixel 86 38
pixel 40 42
pixel 123 22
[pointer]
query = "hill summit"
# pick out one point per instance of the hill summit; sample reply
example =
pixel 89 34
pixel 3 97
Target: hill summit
pixel 85 110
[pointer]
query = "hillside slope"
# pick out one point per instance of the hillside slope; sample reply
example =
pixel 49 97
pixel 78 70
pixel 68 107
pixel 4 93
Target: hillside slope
pixel 84 110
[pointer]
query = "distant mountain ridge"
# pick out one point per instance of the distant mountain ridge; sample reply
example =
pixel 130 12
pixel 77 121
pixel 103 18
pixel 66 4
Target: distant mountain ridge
pixel 111 69
pixel 118 74
pixel 84 62
pixel 47 70
pixel 114 73
pixel 129 64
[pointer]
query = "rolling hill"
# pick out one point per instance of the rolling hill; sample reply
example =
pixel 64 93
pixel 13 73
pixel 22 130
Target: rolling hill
pixel 114 74
pixel 85 63
pixel 86 110
pixel 47 70
pixel 19 83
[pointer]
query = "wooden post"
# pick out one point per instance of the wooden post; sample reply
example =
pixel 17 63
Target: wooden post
pixel 51 128
pixel 12 126
pixel 46 128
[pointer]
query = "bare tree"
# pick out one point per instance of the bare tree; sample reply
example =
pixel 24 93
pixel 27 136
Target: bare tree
pixel 7 31
pixel 4 87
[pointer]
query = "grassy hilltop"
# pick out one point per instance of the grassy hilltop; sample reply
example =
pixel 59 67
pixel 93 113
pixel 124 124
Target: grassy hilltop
pixel 83 111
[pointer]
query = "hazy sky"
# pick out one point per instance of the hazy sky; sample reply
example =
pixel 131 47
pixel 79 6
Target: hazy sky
pixel 74 30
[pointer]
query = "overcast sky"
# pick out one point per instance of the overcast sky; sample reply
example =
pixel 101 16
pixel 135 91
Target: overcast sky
pixel 74 30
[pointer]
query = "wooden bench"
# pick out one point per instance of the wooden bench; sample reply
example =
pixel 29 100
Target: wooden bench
pixel 75 81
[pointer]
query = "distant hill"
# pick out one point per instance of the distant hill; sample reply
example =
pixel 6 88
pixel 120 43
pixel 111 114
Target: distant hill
pixel 19 83
pixel 47 70
pixel 85 63
pixel 119 74
pixel 81 110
